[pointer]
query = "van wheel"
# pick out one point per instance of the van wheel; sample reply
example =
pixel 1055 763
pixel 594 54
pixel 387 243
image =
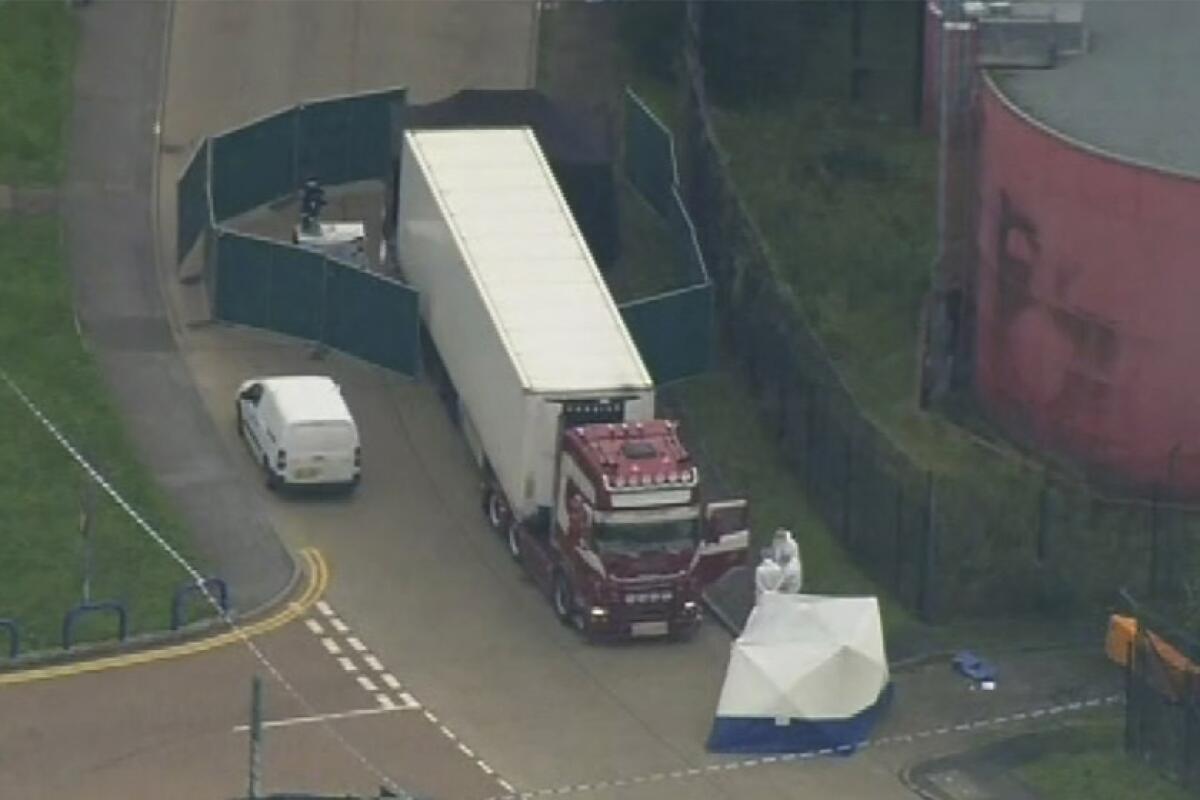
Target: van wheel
pixel 564 604
pixel 496 509
pixel 273 481
pixel 514 540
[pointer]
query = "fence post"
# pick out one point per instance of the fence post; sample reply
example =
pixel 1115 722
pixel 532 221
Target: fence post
pixel 1154 555
pixel 925 601
pixel 1130 705
pixel 847 530
pixel 898 552
pixel 1043 499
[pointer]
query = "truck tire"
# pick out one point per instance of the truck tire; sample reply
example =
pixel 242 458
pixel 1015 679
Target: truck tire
pixel 513 540
pixel 496 509
pixel 564 603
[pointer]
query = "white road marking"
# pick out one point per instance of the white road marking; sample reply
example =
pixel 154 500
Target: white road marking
pixel 289 722
pixel 324 608
pixel 314 626
pixel 409 700
pixel 367 683
pixel 449 734
pixel 356 644
pixel 347 664
pixel 373 662
pixel 390 680
pixel 749 763
pixel 468 752
pixel 331 646
pixel 338 625
pixel 385 701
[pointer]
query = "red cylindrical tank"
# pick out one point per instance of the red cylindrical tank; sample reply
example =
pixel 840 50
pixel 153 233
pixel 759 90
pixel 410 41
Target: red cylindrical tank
pixel 1088 300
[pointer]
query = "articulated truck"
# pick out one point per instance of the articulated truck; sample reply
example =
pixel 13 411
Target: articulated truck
pixel 600 501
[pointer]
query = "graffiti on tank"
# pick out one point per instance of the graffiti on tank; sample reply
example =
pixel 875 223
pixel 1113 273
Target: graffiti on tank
pixel 1058 357
pixel 1017 246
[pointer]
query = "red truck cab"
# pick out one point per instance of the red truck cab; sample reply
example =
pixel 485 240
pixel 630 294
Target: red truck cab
pixel 630 545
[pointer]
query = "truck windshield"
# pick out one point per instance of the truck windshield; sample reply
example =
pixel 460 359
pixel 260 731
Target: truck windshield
pixel 677 534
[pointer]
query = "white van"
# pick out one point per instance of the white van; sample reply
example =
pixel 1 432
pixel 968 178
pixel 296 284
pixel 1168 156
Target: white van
pixel 300 431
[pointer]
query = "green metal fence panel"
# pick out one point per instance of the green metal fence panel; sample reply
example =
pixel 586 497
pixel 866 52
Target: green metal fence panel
pixel 686 240
pixel 373 318
pixel 673 332
pixel 243 279
pixel 254 165
pixel 649 155
pixel 348 139
pixel 191 203
pixel 297 292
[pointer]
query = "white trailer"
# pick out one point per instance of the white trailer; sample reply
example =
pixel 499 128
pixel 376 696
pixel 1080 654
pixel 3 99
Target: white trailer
pixel 521 317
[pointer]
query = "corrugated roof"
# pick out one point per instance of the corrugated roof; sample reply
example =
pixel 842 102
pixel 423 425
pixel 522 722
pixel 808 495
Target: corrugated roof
pixel 537 275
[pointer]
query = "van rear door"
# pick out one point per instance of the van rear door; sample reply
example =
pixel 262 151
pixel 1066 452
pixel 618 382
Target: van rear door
pixel 321 451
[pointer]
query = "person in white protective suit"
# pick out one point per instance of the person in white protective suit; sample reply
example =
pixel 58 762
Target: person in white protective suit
pixel 767 576
pixel 786 553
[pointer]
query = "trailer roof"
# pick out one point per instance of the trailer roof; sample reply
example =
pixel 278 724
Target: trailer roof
pixel 534 269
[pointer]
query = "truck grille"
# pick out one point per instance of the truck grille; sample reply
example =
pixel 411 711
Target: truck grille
pixel 646 598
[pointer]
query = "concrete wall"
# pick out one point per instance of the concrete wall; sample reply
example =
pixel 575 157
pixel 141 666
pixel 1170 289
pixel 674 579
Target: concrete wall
pixel 1088 300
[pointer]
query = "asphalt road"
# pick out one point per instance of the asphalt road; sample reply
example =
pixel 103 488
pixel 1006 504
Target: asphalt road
pixel 416 574
pixel 178 727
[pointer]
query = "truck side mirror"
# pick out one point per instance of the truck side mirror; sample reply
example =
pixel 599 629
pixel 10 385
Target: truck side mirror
pixel 725 517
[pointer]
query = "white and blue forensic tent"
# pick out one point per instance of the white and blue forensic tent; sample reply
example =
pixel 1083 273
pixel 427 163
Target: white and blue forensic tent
pixel 808 673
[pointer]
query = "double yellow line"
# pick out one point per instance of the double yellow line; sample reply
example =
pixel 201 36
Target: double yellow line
pixel 318 580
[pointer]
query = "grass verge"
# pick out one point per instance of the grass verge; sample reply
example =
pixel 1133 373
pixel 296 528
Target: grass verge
pixel 41 549
pixel 37 50
pixel 1088 763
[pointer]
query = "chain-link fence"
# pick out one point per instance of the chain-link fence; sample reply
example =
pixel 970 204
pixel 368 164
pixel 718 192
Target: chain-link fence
pixel 1029 541
pixel 1162 700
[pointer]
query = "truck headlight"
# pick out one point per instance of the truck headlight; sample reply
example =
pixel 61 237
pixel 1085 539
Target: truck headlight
pixel 689 607
pixel 598 612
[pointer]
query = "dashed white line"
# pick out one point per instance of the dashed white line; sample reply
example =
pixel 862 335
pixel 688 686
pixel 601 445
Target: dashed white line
pixel 314 626
pixel 409 700
pixel 483 765
pixel 466 751
pixel 324 608
pixel 390 680
pixel 338 625
pixel 347 664
pixel 449 734
pixel 331 646
pixel 579 788
pixel 356 644
pixel 367 683
pixel 373 662
pixel 385 701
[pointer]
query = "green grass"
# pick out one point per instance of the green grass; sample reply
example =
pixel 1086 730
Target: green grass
pixel 40 543
pixel 37 47
pixel 1088 763
pixel 720 417
pixel 649 261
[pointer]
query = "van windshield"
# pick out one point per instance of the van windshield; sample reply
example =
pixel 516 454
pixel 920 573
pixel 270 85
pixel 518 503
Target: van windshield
pixel 322 437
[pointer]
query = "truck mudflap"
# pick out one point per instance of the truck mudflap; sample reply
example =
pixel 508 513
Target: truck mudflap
pixel 726 541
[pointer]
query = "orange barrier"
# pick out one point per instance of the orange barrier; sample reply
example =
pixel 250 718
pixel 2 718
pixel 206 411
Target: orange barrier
pixel 1179 670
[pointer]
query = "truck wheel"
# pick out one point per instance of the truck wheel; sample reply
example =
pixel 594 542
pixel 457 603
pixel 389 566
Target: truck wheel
pixel 514 540
pixel 496 509
pixel 564 605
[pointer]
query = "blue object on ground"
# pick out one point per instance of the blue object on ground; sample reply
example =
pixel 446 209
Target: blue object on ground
pixel 974 667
